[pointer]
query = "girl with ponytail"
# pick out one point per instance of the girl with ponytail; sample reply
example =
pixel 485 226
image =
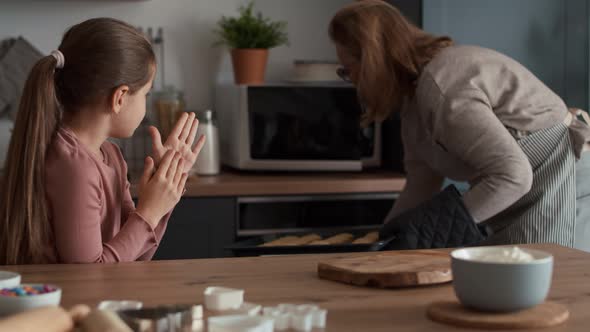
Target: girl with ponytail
pixel 65 196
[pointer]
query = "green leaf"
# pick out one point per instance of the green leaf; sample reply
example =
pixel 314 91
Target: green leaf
pixel 250 30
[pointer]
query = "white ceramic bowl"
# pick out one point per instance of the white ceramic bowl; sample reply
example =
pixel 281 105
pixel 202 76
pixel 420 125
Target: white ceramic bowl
pixel 13 305
pixel 502 285
pixel 9 279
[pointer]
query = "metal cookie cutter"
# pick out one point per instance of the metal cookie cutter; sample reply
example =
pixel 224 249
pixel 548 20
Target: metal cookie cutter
pixel 177 318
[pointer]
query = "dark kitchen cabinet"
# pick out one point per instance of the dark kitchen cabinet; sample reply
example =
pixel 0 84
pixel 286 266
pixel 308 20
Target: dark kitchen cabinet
pixel 412 9
pixel 199 228
pixel 549 37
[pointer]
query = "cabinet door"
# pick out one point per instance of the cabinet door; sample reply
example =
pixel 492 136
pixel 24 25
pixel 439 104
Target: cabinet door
pixel 412 9
pixel 199 228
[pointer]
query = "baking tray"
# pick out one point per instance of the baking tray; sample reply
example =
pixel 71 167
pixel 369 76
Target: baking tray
pixel 251 246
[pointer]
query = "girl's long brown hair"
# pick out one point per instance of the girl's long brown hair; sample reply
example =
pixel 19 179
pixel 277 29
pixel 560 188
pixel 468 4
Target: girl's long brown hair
pixel 100 55
pixel 390 50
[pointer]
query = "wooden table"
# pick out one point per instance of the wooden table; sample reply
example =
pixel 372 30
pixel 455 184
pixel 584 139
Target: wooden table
pixel 292 279
pixel 232 183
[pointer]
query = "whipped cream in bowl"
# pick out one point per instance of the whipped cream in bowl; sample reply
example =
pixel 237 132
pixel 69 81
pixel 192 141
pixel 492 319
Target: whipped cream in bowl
pixel 501 254
pixel 501 278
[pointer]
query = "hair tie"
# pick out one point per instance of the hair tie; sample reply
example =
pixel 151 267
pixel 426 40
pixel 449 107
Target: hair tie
pixel 59 56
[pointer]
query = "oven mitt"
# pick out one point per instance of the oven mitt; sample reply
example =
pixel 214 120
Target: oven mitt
pixel 17 57
pixel 441 222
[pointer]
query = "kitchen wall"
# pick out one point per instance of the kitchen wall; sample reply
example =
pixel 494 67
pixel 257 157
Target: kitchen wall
pixel 190 61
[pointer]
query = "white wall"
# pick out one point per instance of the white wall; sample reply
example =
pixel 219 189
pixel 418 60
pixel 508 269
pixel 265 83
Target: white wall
pixel 191 63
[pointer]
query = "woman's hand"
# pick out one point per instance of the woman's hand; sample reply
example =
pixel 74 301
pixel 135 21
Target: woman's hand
pixel 160 191
pixel 180 140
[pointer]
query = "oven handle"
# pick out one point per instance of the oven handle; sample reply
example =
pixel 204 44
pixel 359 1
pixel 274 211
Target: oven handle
pixel 287 231
pixel 314 198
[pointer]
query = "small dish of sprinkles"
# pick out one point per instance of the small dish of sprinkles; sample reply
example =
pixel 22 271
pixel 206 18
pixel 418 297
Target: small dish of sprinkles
pixel 27 290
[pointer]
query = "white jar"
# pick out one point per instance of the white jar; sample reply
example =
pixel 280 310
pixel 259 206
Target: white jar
pixel 208 161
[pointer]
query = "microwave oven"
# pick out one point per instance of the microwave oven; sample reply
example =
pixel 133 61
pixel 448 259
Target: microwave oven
pixel 294 127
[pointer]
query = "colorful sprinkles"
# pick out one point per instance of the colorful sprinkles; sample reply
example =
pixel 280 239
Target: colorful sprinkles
pixel 27 290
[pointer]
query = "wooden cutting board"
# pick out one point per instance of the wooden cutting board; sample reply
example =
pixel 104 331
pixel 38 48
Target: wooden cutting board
pixel 544 315
pixel 389 269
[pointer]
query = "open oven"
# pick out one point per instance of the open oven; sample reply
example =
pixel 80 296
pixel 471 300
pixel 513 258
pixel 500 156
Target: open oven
pixel 273 225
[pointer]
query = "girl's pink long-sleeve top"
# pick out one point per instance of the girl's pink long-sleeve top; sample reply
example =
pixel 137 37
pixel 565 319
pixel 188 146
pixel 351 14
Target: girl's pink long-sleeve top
pixel 92 215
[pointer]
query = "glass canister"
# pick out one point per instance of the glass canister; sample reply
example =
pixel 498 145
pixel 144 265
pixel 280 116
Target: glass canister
pixel 168 106
pixel 208 162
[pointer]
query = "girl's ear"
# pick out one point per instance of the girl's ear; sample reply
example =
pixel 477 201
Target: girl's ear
pixel 118 99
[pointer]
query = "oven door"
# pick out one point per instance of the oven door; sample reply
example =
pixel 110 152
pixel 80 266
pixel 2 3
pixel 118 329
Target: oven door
pixel 262 219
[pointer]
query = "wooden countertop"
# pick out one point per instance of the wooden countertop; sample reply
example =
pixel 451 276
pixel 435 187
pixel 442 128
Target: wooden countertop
pixel 232 183
pixel 292 279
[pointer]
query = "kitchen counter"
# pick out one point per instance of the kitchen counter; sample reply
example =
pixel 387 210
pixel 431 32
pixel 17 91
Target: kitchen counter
pixel 232 183
pixel 292 279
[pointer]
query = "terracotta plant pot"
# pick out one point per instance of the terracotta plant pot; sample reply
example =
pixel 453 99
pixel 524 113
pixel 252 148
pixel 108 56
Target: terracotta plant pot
pixel 249 65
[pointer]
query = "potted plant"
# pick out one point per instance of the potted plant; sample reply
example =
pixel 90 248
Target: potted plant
pixel 250 36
